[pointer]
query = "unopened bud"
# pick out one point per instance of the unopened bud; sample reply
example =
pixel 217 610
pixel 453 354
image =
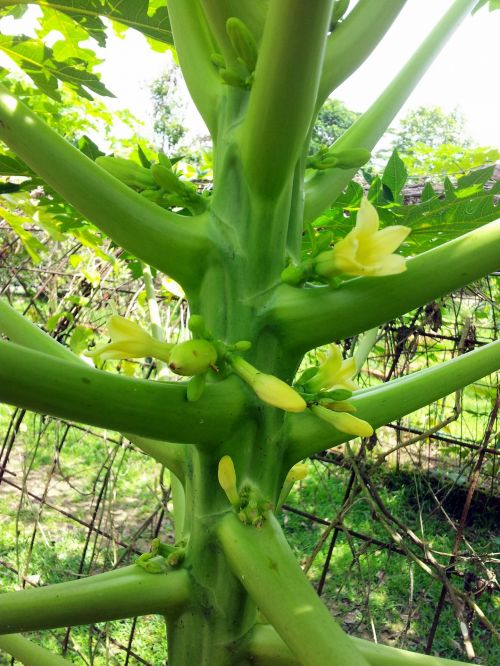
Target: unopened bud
pixel 227 479
pixel 344 422
pixel 351 159
pixel 297 473
pixel 196 325
pixel 242 345
pixel 294 274
pixel 269 388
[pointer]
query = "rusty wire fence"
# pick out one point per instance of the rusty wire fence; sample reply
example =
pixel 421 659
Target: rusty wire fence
pixel 397 533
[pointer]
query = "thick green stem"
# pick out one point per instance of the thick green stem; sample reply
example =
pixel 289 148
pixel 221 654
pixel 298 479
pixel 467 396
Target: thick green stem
pixel 326 185
pixel 281 105
pixel 115 595
pixel 174 244
pixel 158 410
pixel 352 41
pixel 310 317
pixel 194 45
pixel 387 402
pixel 265 648
pixel 23 332
pixel 28 652
pixel 221 612
pixel 267 568
pixel 173 456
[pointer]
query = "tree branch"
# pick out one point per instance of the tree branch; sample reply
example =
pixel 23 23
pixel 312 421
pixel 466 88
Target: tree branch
pixel 173 243
pixel 326 185
pixel 267 568
pixel 173 456
pixel 114 595
pixel 385 403
pixel 352 41
pixel 23 332
pixel 265 648
pixel 281 104
pixel 310 317
pixel 77 392
pixel 29 653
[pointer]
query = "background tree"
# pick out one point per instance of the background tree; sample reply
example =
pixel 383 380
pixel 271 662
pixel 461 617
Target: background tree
pixel 434 143
pixel 334 118
pixel 169 109
pixel 431 126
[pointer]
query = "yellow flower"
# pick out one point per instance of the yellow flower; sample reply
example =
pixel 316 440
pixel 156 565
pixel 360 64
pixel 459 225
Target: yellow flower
pixel 269 388
pixel 334 373
pixel 365 250
pixel 344 422
pixel 129 340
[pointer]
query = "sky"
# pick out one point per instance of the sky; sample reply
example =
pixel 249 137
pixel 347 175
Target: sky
pixel 465 74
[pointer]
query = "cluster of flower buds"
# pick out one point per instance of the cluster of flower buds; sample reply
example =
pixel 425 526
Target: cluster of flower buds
pixel 239 74
pixel 161 557
pixel 156 181
pixel 328 388
pixel 341 159
pixel 248 503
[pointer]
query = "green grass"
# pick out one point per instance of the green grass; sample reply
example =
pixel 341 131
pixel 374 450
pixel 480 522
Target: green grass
pixel 367 587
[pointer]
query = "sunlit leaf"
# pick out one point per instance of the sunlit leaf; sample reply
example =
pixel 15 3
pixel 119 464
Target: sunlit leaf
pixel 135 14
pixel 395 175
pixel 38 62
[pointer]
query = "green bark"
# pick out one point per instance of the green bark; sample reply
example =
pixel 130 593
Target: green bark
pixel 113 595
pixel 28 652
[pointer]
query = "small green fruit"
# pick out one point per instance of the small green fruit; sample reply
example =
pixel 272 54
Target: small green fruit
pixel 193 357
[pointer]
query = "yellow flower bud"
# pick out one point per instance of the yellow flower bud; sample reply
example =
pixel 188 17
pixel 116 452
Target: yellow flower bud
pixel 193 357
pixel 269 388
pixel 227 479
pixel 365 250
pixel 344 422
pixel 129 340
pixel 341 406
pixel 297 473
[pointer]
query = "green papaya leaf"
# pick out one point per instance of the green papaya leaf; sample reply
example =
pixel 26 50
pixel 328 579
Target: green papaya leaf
pixel 88 147
pixel 38 62
pixel 149 18
pixel 395 176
